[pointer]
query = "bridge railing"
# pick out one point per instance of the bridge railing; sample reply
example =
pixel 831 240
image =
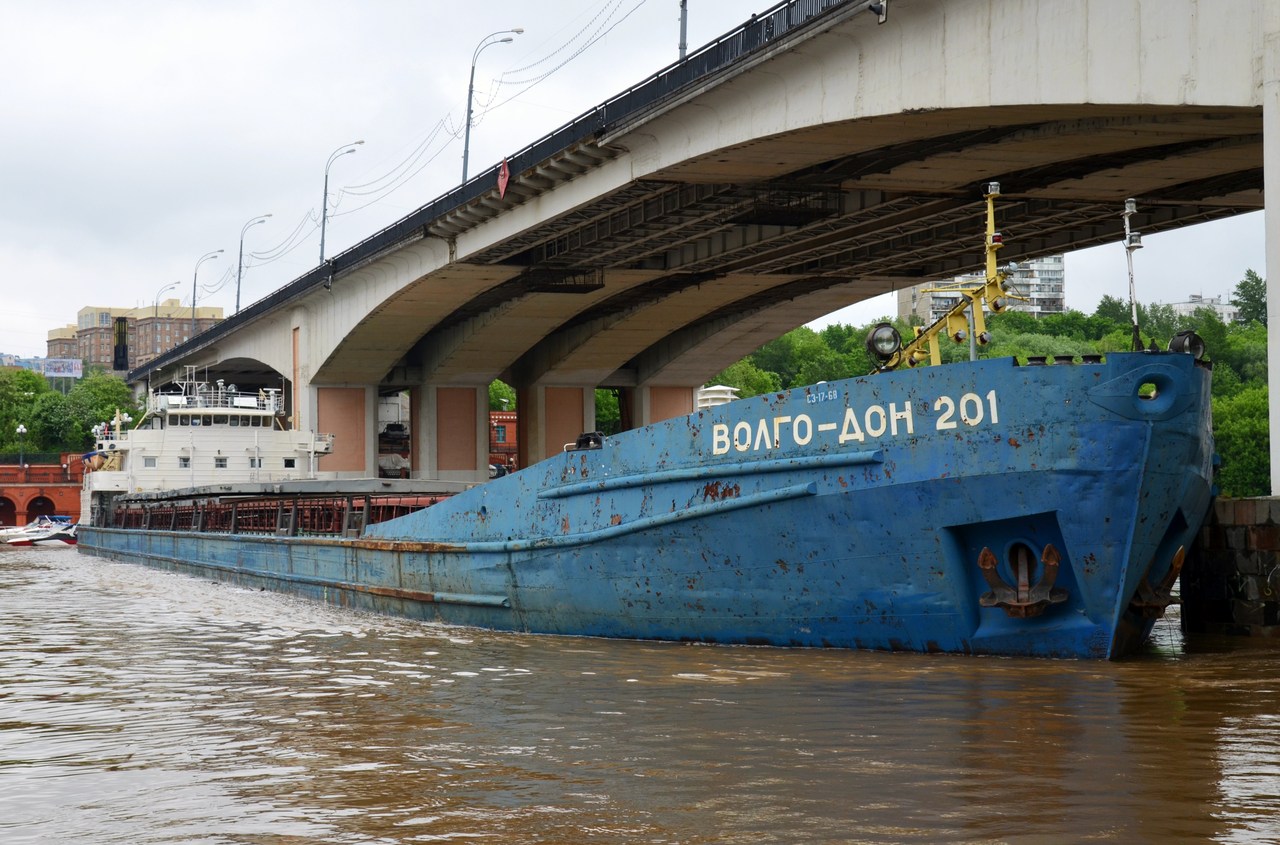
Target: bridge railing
pixel 761 29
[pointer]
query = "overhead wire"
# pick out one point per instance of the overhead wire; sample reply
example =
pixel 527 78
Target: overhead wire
pixel 604 21
pixel 291 242
pixel 371 187
pixel 213 287
pixel 611 7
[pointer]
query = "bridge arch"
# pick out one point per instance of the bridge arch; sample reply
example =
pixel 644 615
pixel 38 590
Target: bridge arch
pixel 657 238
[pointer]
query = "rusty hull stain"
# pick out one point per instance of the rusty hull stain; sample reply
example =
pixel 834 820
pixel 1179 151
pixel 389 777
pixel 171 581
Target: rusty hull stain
pixel 410 546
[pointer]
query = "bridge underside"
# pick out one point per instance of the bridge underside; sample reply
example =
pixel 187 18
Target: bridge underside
pixel 805 162
pixel 673 277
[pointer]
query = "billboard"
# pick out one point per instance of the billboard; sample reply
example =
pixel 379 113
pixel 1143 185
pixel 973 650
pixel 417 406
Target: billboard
pixel 63 368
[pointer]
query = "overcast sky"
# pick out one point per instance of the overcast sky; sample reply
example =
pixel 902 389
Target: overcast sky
pixel 139 136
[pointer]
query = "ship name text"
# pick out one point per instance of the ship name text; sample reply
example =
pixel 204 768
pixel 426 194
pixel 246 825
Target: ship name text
pixel 891 419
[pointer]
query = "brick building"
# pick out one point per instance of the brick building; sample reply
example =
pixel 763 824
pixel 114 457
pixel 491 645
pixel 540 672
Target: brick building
pixel 148 332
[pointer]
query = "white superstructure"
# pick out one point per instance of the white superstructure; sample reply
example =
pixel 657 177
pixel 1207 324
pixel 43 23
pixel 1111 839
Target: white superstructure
pixel 199 435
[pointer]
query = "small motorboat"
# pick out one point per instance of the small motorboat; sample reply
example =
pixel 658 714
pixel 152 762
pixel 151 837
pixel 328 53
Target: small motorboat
pixel 38 525
pixel 45 531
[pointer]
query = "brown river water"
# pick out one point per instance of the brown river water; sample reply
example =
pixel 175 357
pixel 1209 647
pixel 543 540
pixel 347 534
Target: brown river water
pixel 142 707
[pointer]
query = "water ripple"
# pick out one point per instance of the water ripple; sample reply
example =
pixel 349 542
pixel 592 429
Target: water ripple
pixel 143 707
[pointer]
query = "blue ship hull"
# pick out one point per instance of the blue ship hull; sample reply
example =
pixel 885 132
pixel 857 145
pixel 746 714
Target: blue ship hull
pixel 981 508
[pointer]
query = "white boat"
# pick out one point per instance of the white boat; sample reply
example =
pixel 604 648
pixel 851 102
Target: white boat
pixel 56 534
pixel 43 531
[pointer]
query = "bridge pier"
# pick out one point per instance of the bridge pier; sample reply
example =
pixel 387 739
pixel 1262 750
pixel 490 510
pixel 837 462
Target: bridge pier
pixel 350 414
pixel 652 403
pixel 1271 213
pixel 548 416
pixel 451 432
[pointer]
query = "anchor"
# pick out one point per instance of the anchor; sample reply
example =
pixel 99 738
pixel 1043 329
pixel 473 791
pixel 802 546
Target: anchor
pixel 1025 600
pixel 1150 602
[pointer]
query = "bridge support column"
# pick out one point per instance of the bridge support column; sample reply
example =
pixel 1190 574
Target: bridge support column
pixel 451 432
pixel 1271 192
pixel 350 414
pixel 549 417
pixel 653 403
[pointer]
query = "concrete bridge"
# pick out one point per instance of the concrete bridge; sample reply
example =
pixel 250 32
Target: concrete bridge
pixel 811 158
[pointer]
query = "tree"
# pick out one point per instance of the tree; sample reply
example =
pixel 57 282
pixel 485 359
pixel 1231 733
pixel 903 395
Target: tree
pixel 502 396
pixel 1251 298
pixel 1246 352
pixel 1069 323
pixel 96 398
pixel 608 413
pixel 54 426
pixel 748 378
pixel 1242 438
pixel 1115 310
pixel 786 355
pixel 1009 323
pixel 1160 325
pixel 19 390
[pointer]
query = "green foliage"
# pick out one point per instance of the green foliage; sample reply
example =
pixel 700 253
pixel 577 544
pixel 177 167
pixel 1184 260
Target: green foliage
pixel 608 416
pixel 1206 323
pixel 57 423
pixel 1251 298
pixel 54 424
pixel 1160 325
pixel 789 354
pixel 1070 323
pixel 502 396
pixel 96 398
pixel 1115 310
pixel 748 378
pixel 1242 435
pixel 19 390
pixel 1245 352
pixel 1119 340
pixel 1013 322
pixel 1225 381
pixel 1026 345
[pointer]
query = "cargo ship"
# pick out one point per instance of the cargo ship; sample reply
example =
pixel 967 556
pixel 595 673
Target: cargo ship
pixel 987 506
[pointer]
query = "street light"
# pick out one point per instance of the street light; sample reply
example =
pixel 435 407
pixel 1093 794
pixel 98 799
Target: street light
pixel 488 41
pixel 324 205
pixel 195 273
pixel 156 310
pixel 240 262
pixel 22 444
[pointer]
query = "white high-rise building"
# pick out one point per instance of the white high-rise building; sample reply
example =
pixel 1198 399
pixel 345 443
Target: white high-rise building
pixel 1227 312
pixel 1039 281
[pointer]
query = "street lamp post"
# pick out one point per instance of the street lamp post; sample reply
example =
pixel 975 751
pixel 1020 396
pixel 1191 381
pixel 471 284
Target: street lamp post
pixel 240 261
pixel 194 274
pixel 324 204
pixel 22 445
pixel 488 41
pixel 155 312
